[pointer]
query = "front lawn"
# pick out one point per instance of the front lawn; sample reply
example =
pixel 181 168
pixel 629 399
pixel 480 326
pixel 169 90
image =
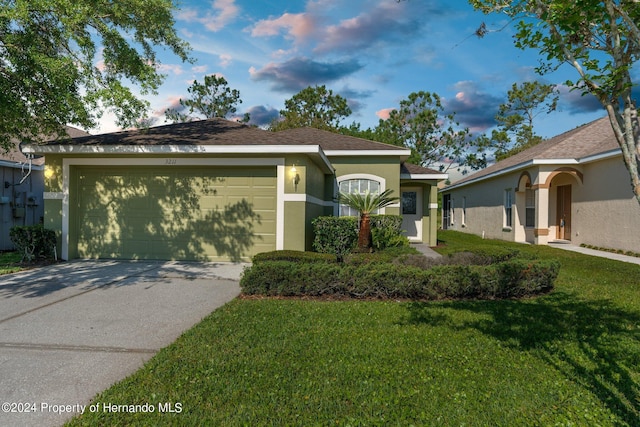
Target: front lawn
pixel 10 262
pixel 571 357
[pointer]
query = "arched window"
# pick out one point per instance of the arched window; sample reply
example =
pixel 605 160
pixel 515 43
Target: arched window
pixel 357 185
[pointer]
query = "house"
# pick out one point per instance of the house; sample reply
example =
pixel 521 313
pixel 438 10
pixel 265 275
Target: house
pixel 217 190
pixel 21 189
pixel 573 187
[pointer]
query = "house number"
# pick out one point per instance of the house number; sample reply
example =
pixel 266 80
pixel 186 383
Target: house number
pixel 170 161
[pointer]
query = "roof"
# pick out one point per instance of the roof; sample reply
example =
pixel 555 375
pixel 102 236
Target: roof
pixel 222 132
pixel 411 171
pixel 15 155
pixel 573 147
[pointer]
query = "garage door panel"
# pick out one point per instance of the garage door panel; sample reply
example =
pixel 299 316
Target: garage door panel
pixel 189 213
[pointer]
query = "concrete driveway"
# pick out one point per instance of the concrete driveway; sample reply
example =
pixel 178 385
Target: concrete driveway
pixel 71 330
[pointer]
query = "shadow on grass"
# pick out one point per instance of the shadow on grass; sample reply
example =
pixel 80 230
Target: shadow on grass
pixel 594 343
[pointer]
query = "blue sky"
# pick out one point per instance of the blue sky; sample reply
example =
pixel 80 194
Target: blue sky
pixel 374 53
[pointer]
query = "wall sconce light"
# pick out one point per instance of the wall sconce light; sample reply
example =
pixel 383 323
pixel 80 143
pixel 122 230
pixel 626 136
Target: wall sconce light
pixel 295 176
pixel 48 172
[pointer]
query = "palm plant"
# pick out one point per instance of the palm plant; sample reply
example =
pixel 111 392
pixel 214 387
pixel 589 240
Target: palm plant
pixel 366 203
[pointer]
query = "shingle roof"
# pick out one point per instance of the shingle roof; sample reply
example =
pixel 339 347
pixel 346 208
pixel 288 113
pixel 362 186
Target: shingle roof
pixel 409 168
pixel 16 156
pixel 219 131
pixel 335 141
pixel 584 141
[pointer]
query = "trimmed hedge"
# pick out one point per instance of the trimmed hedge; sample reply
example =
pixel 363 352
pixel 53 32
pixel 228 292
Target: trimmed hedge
pixel 33 242
pixel 339 235
pixel 335 235
pixel 508 279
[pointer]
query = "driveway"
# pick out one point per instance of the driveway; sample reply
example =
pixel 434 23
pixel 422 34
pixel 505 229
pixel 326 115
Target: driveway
pixel 71 330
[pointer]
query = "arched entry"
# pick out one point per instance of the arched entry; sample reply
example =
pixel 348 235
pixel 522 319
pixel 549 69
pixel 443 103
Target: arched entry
pixel 561 182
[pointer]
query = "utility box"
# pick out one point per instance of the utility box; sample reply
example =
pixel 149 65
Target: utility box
pixel 18 212
pixel 4 200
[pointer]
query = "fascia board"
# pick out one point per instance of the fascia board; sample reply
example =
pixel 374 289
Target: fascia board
pixel 440 176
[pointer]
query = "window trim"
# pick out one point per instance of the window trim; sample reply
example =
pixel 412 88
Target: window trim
pixel 529 207
pixel 353 176
pixel 507 209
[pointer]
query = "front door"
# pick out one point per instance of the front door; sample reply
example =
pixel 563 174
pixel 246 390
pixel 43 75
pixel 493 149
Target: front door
pixel 411 211
pixel 446 211
pixel 563 212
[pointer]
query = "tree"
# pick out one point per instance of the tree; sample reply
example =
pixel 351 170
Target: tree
pixel 48 55
pixel 211 99
pixel 434 137
pixel 601 41
pixel 366 203
pixel 515 117
pixel 314 107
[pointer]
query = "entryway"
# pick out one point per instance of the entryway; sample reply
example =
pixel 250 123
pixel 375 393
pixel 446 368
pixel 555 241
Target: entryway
pixel 563 212
pixel 411 211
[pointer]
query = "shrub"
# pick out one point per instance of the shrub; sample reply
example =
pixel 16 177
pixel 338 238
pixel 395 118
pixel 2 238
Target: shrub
pixel 386 232
pixel 509 279
pixel 33 242
pixel 335 235
pixel 292 256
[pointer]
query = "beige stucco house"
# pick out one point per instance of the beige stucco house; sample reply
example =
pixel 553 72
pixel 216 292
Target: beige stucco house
pixel 218 190
pixel 573 187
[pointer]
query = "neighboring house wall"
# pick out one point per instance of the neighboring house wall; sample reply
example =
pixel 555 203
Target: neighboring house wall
pixel 20 204
pixel 483 213
pixel 600 211
pixel 606 213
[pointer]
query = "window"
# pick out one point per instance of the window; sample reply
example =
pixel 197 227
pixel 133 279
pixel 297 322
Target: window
pixel 530 208
pixel 357 186
pixel 464 211
pixel 508 208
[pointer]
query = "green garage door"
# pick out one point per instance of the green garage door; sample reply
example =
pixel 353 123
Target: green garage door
pixel 195 213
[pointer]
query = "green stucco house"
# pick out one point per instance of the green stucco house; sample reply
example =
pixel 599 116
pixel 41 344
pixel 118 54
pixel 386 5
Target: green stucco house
pixel 217 190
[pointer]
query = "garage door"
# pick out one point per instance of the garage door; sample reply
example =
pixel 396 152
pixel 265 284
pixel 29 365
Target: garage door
pixel 195 213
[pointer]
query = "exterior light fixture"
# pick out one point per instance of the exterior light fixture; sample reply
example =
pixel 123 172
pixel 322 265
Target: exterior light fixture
pixel 295 176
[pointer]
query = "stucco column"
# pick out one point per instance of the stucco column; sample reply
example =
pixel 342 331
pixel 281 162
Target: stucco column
pixel 541 231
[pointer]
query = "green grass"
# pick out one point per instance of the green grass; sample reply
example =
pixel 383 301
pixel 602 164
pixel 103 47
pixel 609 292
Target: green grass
pixel 569 358
pixel 10 262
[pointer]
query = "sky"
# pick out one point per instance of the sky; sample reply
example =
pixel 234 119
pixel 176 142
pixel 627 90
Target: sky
pixel 373 53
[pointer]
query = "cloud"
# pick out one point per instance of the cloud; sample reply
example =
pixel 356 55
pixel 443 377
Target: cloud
pixel 226 12
pixel 389 21
pixel 298 73
pixel 384 113
pixel 225 60
pixel 174 69
pixel 199 69
pixel 261 115
pixel 573 101
pixel 474 109
pixel 297 26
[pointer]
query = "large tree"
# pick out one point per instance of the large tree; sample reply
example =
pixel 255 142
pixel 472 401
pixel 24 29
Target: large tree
pixel 435 138
pixel 515 117
pixel 66 61
pixel 315 107
pixel 601 41
pixel 213 98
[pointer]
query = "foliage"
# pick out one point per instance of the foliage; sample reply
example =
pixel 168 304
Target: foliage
pixel 566 358
pixel 315 107
pixel 292 256
pixel 9 262
pixel 210 99
pixel 33 242
pixel 49 50
pixel 366 203
pixel 386 237
pixel 421 124
pixel 515 117
pixel 600 40
pixel 509 279
pixel 335 235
